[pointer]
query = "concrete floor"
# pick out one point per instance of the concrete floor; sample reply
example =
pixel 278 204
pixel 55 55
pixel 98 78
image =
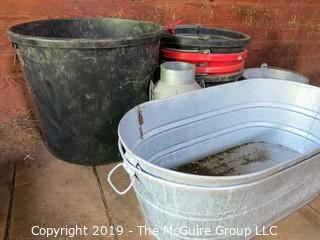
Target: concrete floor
pixel 47 192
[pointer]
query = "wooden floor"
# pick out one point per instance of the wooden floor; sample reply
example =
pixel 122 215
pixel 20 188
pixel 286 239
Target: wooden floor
pixel 47 192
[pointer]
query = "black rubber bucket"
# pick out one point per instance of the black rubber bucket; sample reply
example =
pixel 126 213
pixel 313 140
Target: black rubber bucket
pixel 83 75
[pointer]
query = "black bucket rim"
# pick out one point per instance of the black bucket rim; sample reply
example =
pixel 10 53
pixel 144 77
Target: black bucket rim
pixel 229 38
pixel 58 42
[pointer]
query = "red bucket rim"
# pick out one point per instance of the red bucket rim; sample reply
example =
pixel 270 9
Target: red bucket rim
pixel 204 57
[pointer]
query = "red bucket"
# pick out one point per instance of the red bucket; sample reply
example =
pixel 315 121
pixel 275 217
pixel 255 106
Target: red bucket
pixel 206 63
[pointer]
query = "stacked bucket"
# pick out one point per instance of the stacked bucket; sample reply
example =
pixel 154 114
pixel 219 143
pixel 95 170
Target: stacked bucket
pixel 219 55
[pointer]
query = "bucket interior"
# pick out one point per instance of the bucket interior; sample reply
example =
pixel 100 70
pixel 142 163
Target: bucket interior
pixel 243 159
pixel 226 152
pixel 103 28
pixel 254 128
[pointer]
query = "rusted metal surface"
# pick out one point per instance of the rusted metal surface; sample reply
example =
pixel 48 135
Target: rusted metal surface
pixel 284 33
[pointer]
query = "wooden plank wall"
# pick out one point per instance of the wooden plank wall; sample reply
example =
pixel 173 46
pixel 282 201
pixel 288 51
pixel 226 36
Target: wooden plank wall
pixel 285 33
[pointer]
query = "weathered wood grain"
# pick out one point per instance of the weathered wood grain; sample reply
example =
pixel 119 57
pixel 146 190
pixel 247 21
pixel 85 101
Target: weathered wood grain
pixel 303 224
pixel 14 99
pixel 52 193
pixel 6 179
pixel 315 204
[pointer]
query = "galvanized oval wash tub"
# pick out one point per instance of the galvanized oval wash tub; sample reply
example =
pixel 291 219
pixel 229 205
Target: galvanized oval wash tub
pixel 158 137
pixel 275 73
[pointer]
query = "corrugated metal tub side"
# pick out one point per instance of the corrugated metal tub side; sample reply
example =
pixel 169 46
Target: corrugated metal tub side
pixel 180 211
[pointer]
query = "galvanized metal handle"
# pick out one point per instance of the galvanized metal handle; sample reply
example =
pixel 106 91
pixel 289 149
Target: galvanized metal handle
pixel 130 172
pixel 113 186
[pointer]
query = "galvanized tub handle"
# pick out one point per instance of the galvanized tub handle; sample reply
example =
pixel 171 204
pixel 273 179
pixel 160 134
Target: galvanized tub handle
pixel 131 173
pixel 113 186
